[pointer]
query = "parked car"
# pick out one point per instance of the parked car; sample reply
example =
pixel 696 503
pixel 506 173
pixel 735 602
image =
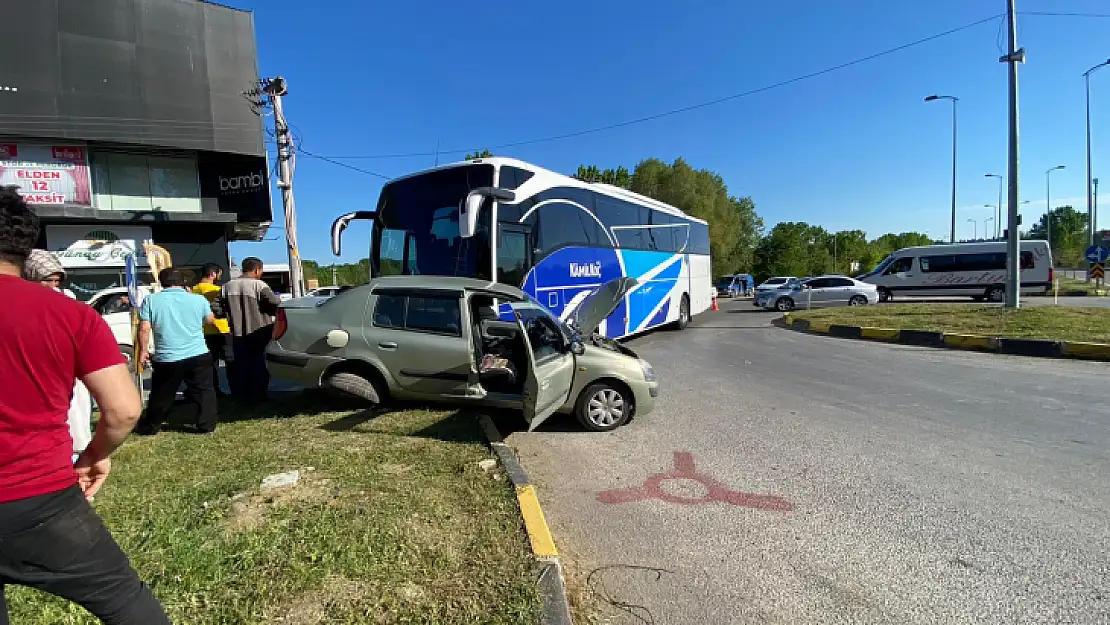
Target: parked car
pixel 113 305
pixel 820 292
pixel 326 291
pixel 467 341
pixel 777 283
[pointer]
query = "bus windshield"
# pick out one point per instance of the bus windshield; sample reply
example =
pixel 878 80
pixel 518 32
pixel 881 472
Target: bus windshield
pixel 417 228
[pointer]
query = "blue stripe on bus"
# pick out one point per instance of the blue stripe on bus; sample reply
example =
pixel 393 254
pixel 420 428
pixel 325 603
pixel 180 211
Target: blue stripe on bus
pixel 661 316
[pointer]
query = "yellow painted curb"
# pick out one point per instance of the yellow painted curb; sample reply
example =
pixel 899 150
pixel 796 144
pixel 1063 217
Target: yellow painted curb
pixel 788 320
pixel 819 326
pixel 543 544
pixel 1086 350
pixel 884 334
pixel 970 341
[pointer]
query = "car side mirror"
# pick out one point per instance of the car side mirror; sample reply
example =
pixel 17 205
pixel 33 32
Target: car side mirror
pixel 577 348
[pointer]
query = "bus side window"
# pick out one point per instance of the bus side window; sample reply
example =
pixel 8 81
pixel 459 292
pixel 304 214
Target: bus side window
pixel 512 256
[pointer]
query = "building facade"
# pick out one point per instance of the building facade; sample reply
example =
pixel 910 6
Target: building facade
pixel 124 121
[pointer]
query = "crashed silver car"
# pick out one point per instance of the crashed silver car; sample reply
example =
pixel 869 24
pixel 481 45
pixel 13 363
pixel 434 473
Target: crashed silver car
pixel 466 341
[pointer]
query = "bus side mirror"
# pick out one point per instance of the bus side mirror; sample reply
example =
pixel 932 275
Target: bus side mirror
pixel 471 206
pixel 340 224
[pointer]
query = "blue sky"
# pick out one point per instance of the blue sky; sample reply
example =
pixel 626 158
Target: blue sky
pixel 855 148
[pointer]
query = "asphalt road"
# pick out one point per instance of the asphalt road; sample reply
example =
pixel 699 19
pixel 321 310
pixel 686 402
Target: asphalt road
pixel 916 485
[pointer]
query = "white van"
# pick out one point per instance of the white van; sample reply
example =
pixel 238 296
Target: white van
pixel 977 270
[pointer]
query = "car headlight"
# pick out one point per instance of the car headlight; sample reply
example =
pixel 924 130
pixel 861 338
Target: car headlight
pixel 649 372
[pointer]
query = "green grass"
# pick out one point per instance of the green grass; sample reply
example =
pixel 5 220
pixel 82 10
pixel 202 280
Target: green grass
pixel 1073 285
pixel 394 523
pixel 1042 322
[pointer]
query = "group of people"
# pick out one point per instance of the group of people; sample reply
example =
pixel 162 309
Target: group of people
pixel 57 355
pixel 194 330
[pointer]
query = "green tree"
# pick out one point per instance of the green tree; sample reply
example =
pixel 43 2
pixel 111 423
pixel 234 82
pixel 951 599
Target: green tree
pixel 482 154
pixel 1069 235
pixel 618 177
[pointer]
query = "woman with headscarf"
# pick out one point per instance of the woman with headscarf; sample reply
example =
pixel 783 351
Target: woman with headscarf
pixel 44 268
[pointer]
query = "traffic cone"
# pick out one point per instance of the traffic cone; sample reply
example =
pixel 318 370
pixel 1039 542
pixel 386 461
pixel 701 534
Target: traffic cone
pixel 715 307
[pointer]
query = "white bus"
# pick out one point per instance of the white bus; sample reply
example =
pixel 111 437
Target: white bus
pixel 977 270
pixel 550 235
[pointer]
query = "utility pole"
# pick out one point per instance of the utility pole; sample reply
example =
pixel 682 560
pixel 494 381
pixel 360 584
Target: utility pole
pixel 276 89
pixel 1094 213
pixel 1013 241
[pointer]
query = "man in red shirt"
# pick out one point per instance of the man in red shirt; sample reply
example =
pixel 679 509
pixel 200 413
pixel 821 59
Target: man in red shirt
pixel 50 537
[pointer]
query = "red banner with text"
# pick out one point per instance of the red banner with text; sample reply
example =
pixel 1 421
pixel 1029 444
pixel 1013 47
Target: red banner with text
pixel 45 173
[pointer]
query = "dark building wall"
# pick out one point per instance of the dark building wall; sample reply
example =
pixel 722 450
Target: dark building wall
pixel 192 245
pixel 167 73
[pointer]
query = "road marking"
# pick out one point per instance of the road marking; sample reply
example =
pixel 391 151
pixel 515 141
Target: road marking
pixel 684 469
pixel 543 543
pixel 883 334
pixel 970 341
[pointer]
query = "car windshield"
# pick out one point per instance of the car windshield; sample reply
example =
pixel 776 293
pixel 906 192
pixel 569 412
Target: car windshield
pixel 530 303
pixel 775 281
pixel 417 229
pixel 725 282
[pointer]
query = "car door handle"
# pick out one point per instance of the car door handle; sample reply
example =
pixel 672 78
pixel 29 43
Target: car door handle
pixel 387 345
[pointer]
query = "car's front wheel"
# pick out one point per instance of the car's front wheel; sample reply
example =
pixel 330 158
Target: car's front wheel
pixel 996 294
pixel 857 300
pixel 784 304
pixel 604 406
pixel 885 295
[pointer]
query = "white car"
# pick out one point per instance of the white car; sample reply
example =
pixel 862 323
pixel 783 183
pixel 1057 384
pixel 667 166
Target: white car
pixel 778 282
pixel 820 292
pixel 113 306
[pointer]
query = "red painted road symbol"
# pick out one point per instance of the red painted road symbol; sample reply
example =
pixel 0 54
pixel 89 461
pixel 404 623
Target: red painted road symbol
pixel 684 470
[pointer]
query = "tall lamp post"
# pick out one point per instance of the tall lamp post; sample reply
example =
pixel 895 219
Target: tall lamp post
pixel 974 229
pixel 991 219
pixel 1048 204
pixel 998 213
pixel 954 99
pixel 986 233
pixel 1087 83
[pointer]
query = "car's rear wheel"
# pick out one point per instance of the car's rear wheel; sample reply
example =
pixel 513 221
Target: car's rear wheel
pixel 355 385
pixel 885 295
pixel 996 294
pixel 857 300
pixel 784 304
pixel 604 406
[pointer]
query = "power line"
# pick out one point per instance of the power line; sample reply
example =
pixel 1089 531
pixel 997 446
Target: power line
pixel 685 109
pixel 1055 14
pixel 341 164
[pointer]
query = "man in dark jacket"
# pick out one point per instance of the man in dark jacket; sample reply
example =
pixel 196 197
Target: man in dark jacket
pixel 250 305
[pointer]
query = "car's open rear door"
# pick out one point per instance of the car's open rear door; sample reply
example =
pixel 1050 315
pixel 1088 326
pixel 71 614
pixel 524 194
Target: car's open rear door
pixel 548 382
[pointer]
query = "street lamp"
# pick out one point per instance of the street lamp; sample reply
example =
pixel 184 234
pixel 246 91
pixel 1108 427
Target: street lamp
pixel 998 210
pixel 985 224
pixel 954 100
pixel 1087 83
pixel 1048 203
pixel 974 228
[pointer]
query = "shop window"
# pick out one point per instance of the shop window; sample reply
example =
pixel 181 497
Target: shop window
pixel 138 182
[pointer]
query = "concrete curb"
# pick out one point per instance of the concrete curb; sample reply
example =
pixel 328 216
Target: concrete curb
pixel 556 609
pixel 1036 348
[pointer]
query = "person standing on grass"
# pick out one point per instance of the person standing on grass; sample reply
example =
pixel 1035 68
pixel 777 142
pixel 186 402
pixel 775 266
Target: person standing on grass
pixel 217 335
pixel 177 318
pixel 50 537
pixel 251 305
pixel 41 266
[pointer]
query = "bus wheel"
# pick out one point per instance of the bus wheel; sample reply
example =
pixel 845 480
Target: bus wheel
pixel 885 295
pixel 683 313
pixel 996 294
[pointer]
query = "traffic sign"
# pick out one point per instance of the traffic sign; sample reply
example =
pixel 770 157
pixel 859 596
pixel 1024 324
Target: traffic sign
pixel 132 279
pixel 1096 272
pixel 1096 254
